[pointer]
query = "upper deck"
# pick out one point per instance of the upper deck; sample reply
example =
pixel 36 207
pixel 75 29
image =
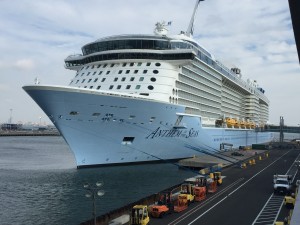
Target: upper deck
pixel 156 47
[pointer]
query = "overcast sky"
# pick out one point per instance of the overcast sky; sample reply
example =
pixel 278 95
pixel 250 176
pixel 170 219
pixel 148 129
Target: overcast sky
pixel 254 35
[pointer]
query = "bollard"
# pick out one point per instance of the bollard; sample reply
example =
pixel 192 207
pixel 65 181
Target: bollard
pixel 267 154
pixel 259 158
pixel 250 162
pixel 253 161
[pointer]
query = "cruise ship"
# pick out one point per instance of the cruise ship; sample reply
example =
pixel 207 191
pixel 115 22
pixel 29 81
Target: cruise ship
pixel 144 98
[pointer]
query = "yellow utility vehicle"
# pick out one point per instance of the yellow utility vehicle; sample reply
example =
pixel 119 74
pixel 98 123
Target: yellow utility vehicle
pixel 217 176
pixel 289 201
pixel 139 215
pixel 188 191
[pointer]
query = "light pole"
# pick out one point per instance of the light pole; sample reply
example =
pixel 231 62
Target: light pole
pixel 93 190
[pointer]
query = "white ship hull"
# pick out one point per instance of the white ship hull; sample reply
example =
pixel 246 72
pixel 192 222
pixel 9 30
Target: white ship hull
pixel 104 128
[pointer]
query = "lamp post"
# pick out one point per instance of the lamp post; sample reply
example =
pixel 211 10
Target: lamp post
pixel 93 190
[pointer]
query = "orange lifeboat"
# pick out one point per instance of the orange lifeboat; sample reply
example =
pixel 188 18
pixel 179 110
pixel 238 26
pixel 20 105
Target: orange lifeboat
pixel 243 124
pixel 252 125
pixel 230 122
pixel 237 124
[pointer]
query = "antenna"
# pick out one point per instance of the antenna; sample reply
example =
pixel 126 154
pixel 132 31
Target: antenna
pixel 190 29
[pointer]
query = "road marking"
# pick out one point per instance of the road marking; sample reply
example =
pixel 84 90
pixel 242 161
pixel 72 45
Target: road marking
pixel 236 189
pixel 204 203
pixel 275 203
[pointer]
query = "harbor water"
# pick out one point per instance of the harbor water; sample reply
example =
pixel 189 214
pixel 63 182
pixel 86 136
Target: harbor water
pixel 41 185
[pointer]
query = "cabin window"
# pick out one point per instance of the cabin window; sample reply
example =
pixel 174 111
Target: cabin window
pixel 123 79
pixel 105 65
pixel 96 80
pixel 119 87
pixel 115 79
pixel 89 80
pixel 100 73
pixel 94 73
pixel 145 71
pixel 127 71
pixel 155 71
pixel 136 71
pixel 139 64
pixel 157 64
pixel 88 73
pixel 103 79
pixel 98 87
pixel 141 79
pixel 131 78
pixel 137 86
pixel 107 72
pixel 111 87
pixel 96 114
pixel 99 66
pixel 131 64
pixel 120 71
pixel 153 79
pixel 148 64
pixel 91 87
pixel 82 80
pixel 74 113
pixel 128 86
pixel 124 64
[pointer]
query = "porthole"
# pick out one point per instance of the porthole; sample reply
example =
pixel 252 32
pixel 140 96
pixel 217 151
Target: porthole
pixel 150 87
pixel 155 71
pixel 157 64
pixel 153 79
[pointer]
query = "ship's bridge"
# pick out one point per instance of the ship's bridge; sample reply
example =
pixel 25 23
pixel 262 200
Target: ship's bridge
pixel 125 45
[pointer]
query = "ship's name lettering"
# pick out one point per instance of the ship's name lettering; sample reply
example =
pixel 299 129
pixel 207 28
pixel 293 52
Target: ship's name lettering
pixel 173 133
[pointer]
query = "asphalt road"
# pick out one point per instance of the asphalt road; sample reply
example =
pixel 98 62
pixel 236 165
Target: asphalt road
pixel 243 197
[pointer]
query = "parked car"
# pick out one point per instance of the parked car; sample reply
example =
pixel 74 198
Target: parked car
pixel 237 154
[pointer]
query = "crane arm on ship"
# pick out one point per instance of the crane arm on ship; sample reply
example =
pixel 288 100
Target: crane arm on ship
pixel 190 29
